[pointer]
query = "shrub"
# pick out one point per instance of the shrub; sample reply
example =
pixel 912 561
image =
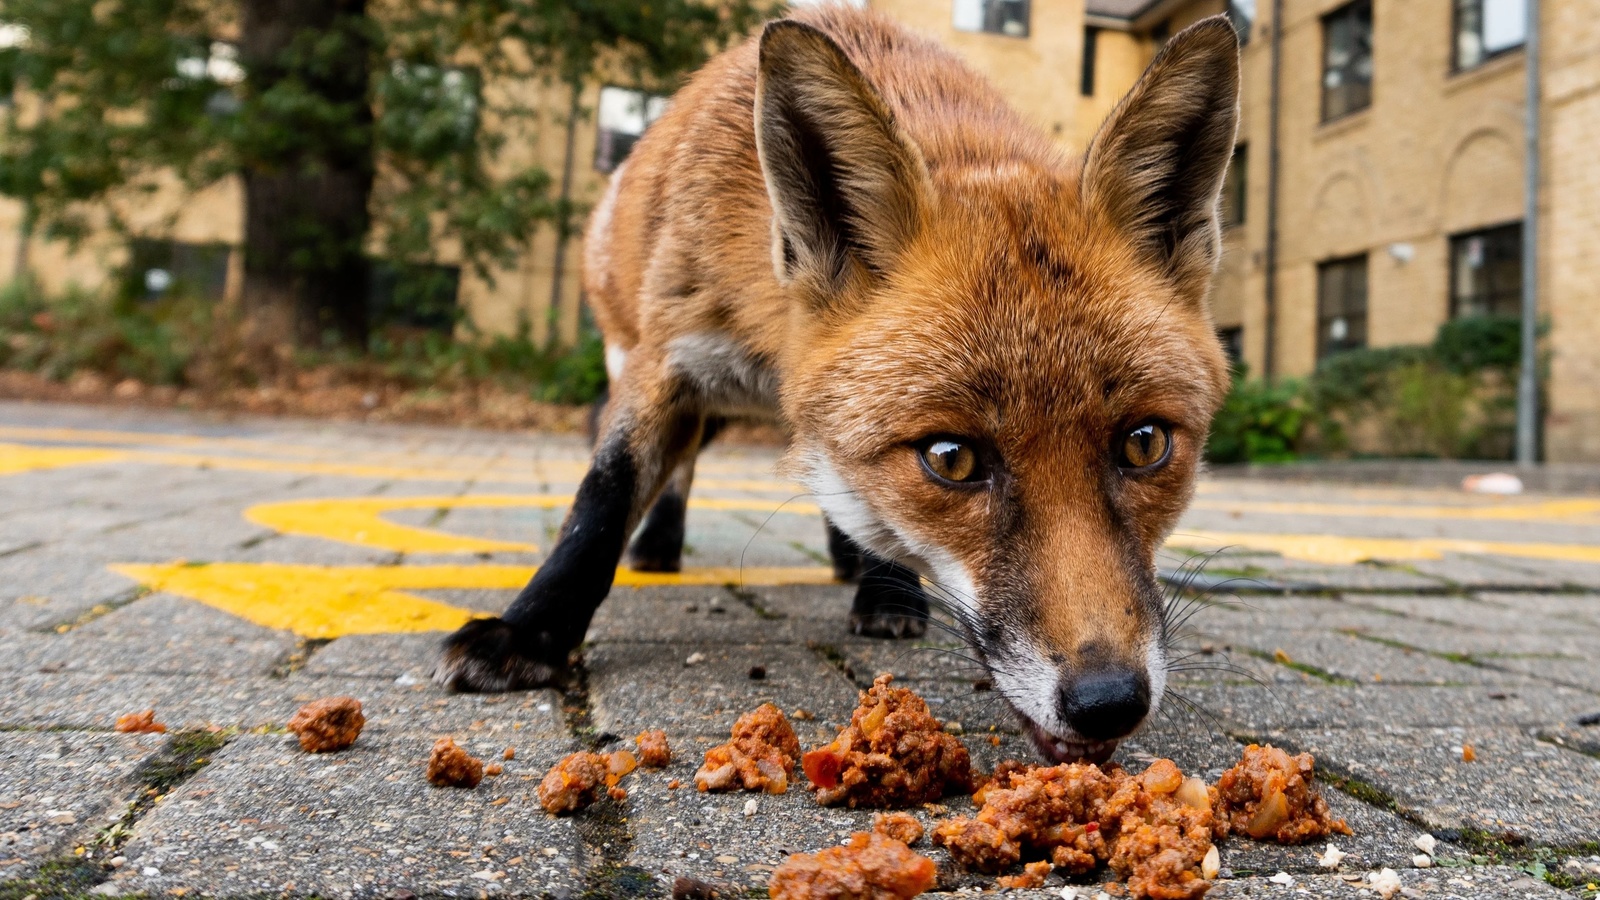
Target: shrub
pixel 1258 422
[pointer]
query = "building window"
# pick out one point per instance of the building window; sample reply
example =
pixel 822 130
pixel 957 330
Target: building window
pixel 1233 187
pixel 1486 272
pixel 1242 13
pixel 1091 40
pixel 159 269
pixel 1232 344
pixel 624 115
pixel 1488 28
pixel 413 297
pixel 1341 305
pixel 1007 17
pixel 1347 60
pixel 1160 33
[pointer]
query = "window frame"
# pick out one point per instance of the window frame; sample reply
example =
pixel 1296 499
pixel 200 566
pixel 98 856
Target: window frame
pixel 600 130
pixel 1091 43
pixel 1234 17
pixel 1514 293
pixel 1027 19
pixel 1323 351
pixel 1456 7
pixel 1350 10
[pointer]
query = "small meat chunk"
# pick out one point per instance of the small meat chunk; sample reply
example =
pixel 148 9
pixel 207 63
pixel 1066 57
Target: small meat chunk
pixel 869 867
pixel 1272 796
pixel 329 724
pixel 760 755
pixel 577 780
pixel 140 723
pixel 653 750
pixel 1033 876
pixel 903 827
pixel 892 754
pixel 451 766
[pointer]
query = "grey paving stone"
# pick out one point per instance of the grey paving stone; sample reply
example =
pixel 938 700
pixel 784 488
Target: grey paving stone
pixel 1479 572
pixel 1342 655
pixel 52 585
pixel 391 656
pixel 1517 784
pixel 59 788
pixel 1255 709
pixel 264 817
pixel 164 635
pixel 710 613
pixel 1575 672
pixel 94 701
pixel 935 656
pixel 1478 612
pixel 638 686
pixel 1582 608
pixel 1575 736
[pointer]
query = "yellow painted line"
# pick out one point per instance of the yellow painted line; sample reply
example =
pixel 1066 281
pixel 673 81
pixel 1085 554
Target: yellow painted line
pixel 1548 510
pixel 333 601
pixel 17 458
pixel 1343 550
pixel 359 520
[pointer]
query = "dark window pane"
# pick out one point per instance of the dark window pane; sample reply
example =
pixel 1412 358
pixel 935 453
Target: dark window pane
pixel 158 269
pixel 1242 13
pixel 1091 40
pixel 1486 272
pixel 1007 17
pixel 1232 343
pixel 1234 187
pixel 1341 305
pixel 423 297
pixel 1347 60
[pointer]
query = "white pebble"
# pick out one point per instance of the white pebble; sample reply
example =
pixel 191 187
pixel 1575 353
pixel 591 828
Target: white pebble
pixel 1426 843
pixel 750 807
pixel 1386 882
pixel 1331 857
pixel 1422 860
pixel 150 871
pixel 1283 878
pixel 695 659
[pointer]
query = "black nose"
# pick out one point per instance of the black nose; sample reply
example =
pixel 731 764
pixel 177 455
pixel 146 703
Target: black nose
pixel 1104 706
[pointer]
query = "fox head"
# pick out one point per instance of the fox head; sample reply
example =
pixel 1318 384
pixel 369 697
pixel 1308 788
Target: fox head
pixel 1002 365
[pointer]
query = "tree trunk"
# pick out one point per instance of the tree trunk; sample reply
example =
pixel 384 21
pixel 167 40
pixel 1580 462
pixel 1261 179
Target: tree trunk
pixel 306 187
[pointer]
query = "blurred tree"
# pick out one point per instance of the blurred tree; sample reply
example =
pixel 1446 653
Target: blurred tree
pixel 350 123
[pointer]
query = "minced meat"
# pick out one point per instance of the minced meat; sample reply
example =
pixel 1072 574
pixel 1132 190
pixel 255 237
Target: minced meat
pixel 1271 795
pixel 759 756
pixel 892 754
pixel 869 867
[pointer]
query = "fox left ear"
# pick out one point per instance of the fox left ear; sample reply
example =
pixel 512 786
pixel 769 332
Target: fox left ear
pixel 1155 167
pixel 846 186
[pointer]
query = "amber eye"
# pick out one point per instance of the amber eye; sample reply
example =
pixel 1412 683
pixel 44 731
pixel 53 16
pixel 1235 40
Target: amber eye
pixel 1144 447
pixel 952 461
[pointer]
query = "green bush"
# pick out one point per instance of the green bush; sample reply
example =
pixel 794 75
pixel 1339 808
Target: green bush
pixel 1479 342
pixel 1258 422
pixel 81 331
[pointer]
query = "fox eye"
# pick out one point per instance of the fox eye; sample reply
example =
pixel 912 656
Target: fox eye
pixel 1144 448
pixel 952 461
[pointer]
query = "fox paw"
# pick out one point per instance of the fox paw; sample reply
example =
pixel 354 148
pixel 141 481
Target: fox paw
pixel 882 623
pixel 491 655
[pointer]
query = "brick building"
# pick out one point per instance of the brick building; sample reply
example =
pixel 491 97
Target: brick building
pixel 1397 201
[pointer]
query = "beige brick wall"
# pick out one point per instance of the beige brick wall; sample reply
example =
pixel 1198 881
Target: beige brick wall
pixel 1570 246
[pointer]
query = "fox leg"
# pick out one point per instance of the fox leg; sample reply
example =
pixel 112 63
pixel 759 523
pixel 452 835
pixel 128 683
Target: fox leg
pixel 658 547
pixel 528 645
pixel 845 553
pixel 889 600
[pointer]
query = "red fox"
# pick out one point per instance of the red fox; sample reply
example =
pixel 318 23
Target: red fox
pixel 996 362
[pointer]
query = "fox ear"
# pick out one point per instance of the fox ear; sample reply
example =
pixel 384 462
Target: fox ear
pixel 1155 167
pixel 845 185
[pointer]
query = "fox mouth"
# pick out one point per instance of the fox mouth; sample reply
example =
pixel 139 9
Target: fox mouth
pixel 1066 750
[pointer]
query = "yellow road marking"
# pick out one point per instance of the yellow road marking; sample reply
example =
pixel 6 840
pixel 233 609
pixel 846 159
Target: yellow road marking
pixel 1341 550
pixel 358 520
pixel 1547 510
pixel 17 458
pixel 333 601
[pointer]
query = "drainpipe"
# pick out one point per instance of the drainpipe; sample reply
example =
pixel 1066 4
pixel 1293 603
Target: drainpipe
pixel 1270 354
pixel 563 205
pixel 1528 379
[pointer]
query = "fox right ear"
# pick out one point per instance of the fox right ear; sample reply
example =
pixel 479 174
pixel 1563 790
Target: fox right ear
pixel 844 183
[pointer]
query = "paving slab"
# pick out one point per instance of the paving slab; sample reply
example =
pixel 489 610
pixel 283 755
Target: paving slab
pixel 1582 608
pixel 637 686
pixel 1517 785
pixel 161 634
pixel 699 613
pixel 1344 656
pixel 90 701
pixel 264 817
pixel 1478 612
pixel 1475 883
pixel 51 585
pixel 58 788
pixel 1257 709
pixel 411 656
